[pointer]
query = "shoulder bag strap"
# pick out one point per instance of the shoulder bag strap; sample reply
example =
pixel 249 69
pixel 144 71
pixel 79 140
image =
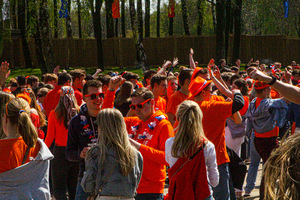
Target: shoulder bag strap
pixel 108 176
pixel 25 156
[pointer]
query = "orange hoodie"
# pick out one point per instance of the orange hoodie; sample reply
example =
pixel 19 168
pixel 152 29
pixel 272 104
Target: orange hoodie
pixel 152 150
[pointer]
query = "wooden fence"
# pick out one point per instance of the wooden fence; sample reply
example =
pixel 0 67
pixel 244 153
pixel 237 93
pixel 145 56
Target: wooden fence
pixel 121 51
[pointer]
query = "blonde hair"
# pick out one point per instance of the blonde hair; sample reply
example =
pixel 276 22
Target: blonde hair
pixel 18 113
pixel 283 165
pixel 190 134
pixel 113 134
pixel 4 98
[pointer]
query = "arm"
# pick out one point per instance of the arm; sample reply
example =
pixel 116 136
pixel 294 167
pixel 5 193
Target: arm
pixel 51 131
pixel 4 72
pixel 223 89
pixel 236 117
pixel 211 164
pixel 192 62
pixel 290 92
pixel 88 181
pixel 238 101
pixel 114 84
pixel 164 67
pixel 72 149
pixel 96 73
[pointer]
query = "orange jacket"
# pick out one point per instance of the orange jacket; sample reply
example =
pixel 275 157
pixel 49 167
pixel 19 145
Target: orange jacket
pixel 152 150
pixel 51 100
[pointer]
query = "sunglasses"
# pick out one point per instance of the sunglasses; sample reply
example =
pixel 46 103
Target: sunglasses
pixel 94 96
pixel 140 105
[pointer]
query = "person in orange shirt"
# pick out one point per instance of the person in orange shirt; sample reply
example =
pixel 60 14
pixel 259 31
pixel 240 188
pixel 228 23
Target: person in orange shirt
pixel 179 96
pixel 20 147
pixel 215 114
pixel 265 116
pixel 52 98
pixel 172 86
pixel 159 87
pixel 149 132
pixel 64 172
pixel 78 76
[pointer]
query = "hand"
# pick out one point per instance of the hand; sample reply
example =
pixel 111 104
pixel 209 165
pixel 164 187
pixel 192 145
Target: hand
pixel 167 64
pixel 4 72
pixel 135 144
pixel 56 69
pixel 115 82
pixel 258 75
pixel 228 99
pixel 83 152
pixel 175 62
pixel 191 52
pixel 234 91
pixel 287 75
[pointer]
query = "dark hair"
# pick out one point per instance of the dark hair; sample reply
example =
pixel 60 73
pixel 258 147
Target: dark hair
pixel 234 68
pixel 226 76
pixel 242 85
pixel 50 77
pixel 104 79
pixel 157 78
pixel 143 92
pixel 296 72
pixel 49 86
pixel 130 75
pixel 233 78
pixel 91 83
pixel 148 74
pixel 77 73
pixel 63 78
pixel 184 75
pixel 32 79
pixel 21 80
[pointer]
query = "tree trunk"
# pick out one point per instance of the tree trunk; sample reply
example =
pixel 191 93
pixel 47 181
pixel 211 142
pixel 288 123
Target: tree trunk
pixel 171 25
pixel 158 19
pixel 227 26
pixel 55 18
pixel 117 27
pixel 147 18
pixel 200 17
pixel 123 27
pixel 213 12
pixel 79 18
pixel 68 21
pixel 220 40
pixel 22 27
pixel 237 30
pixel 45 38
pixel 140 19
pixel 13 6
pixel 109 19
pixel 1 29
pixel 98 30
pixel 140 51
pixel 184 17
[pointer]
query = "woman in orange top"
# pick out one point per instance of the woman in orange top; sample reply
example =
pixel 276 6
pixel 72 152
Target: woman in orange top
pixel 4 98
pixel 64 172
pixel 20 145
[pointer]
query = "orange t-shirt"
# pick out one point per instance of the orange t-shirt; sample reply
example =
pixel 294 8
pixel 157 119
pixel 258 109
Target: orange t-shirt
pixel 56 131
pixel 269 134
pixel 246 105
pixel 215 114
pixel 175 99
pixel 51 100
pixel 217 98
pixel 78 96
pixel 152 150
pixel 13 152
pixel 160 104
pixel 275 94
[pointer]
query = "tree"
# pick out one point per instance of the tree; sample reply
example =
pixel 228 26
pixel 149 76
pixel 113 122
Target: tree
pixel 96 15
pixel 79 18
pixel 140 19
pixel 55 18
pixel 185 17
pixel 237 30
pixel 227 26
pixel 220 38
pixel 22 27
pixel 140 51
pixel 109 19
pixel 68 21
pixel 158 19
pixel 147 18
pixel 123 26
pixel 200 8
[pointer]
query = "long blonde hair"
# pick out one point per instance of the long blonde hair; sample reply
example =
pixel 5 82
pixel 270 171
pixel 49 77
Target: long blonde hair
pixel 113 133
pixel 190 134
pixel 4 98
pixel 18 114
pixel 283 165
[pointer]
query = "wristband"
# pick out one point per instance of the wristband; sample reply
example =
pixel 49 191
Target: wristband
pixel 273 81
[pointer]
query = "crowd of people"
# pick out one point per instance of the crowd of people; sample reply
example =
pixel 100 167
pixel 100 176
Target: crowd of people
pixel 74 135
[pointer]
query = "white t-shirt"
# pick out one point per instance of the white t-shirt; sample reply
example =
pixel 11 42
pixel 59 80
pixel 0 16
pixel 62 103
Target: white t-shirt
pixel 210 161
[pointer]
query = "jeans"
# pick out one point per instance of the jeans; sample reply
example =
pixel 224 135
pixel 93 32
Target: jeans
pixel 253 167
pixel 64 175
pixel 150 196
pixel 221 192
pixel 80 193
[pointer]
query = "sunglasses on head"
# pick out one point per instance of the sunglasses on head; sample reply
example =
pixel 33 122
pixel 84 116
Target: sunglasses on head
pixel 140 105
pixel 94 96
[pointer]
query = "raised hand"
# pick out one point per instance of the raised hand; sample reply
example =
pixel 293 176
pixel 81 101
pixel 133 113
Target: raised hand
pixel 4 72
pixel 115 82
pixel 175 62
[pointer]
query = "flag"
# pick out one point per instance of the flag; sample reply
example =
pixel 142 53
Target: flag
pixel 171 12
pixel 116 9
pixel 63 11
pixel 286 8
